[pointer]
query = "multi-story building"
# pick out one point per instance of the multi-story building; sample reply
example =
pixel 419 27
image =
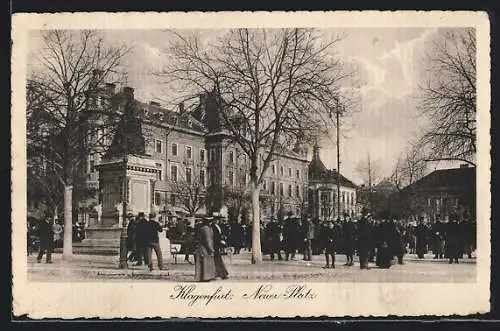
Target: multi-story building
pixel 199 165
pixel 442 194
pixel 323 202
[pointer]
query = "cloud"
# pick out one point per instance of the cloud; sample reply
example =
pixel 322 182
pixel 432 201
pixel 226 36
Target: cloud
pixel 404 54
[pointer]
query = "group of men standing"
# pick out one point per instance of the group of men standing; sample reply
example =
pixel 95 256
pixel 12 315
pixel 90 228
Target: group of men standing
pixel 449 240
pixel 142 239
pixel 331 237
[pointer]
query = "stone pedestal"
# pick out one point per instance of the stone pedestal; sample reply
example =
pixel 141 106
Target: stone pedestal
pixel 129 179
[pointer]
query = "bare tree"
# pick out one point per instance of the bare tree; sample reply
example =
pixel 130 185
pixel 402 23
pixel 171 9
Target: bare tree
pixel 189 186
pixel 448 97
pixel 273 88
pixel 371 174
pixel 66 73
pixel 410 167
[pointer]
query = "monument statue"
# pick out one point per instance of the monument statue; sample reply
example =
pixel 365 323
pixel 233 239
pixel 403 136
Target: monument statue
pixel 128 138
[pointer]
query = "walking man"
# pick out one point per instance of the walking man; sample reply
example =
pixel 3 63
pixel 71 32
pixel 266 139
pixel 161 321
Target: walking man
pixel 153 242
pixel 308 235
pixel 46 234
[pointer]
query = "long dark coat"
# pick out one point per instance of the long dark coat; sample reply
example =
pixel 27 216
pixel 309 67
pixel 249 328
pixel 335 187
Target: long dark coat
pixel 220 267
pixel 348 237
pixel 204 269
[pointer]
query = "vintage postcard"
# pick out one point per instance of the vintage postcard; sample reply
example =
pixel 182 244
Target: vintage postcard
pixel 250 164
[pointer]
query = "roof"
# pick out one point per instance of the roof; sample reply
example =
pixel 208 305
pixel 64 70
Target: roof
pixel 319 172
pixel 457 178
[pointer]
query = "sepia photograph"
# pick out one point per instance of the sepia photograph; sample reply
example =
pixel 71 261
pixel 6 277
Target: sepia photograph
pixel 256 162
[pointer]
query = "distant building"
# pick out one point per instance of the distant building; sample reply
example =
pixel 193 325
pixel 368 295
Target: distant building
pixel 444 193
pixel 322 191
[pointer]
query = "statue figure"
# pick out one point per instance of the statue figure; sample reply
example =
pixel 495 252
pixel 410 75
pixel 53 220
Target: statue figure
pixel 119 208
pixel 98 209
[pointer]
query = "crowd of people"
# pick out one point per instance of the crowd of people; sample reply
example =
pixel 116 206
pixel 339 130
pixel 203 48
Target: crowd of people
pixel 380 241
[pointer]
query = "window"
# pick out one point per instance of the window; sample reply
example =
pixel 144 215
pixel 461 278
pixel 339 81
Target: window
pixel 174 149
pixel 273 188
pixel 297 174
pixel 297 191
pixel 202 177
pixel 281 171
pixel 157 198
pixel 264 185
pixel 173 173
pixel 189 174
pixel 190 124
pixel 231 157
pixel 172 199
pixel 273 167
pixel 281 187
pixel 212 154
pixel 231 177
pixel 289 190
pixel 213 177
pixel 92 164
pixel 158 145
pixel 159 165
pixel 189 152
pixel 289 172
pixel 202 155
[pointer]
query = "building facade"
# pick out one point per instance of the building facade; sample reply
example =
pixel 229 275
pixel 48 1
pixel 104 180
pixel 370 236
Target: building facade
pixel 443 194
pixel 199 168
pixel 323 191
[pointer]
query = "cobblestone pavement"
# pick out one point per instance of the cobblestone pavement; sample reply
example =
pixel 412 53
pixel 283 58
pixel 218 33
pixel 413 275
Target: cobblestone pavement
pixel 105 268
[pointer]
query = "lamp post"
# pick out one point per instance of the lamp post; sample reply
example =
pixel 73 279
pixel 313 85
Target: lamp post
pixel 123 242
pixel 123 236
pixel 338 159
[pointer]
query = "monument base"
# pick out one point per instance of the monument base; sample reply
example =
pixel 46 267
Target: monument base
pixel 99 241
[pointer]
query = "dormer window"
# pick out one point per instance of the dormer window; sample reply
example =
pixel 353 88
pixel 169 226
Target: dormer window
pixel 145 112
pixel 190 123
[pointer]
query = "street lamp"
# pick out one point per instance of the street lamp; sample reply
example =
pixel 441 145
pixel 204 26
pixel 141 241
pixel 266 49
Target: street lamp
pixel 123 242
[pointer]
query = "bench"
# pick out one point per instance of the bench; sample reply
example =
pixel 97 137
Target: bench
pixel 175 249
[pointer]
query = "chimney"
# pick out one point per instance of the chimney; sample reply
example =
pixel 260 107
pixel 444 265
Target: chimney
pixel 128 92
pixel 464 165
pixel 154 103
pixel 110 88
pixel 181 108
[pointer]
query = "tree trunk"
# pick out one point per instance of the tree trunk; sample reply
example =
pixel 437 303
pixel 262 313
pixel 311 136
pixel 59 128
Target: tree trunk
pixel 256 248
pixel 68 222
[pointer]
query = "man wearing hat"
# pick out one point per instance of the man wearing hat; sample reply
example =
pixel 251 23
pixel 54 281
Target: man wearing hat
pixel 204 254
pixel 141 239
pixel 46 235
pixel 131 242
pixel 153 241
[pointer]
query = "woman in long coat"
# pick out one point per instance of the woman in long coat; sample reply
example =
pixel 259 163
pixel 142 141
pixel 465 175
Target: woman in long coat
pixel 204 255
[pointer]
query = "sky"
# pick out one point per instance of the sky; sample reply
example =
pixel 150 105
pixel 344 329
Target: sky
pixel 388 62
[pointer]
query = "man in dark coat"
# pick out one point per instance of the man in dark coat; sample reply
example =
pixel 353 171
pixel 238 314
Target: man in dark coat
pixel 273 232
pixel 131 242
pixel 141 229
pixel 364 241
pixel 46 237
pixel 290 234
pixel 452 240
pixel 329 237
pixel 348 240
pixel 204 254
pixel 219 244
pixel 237 237
pixel 421 233
pixel 396 242
pixel 152 228
pixel 438 239
pixel 384 253
pixel 307 235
